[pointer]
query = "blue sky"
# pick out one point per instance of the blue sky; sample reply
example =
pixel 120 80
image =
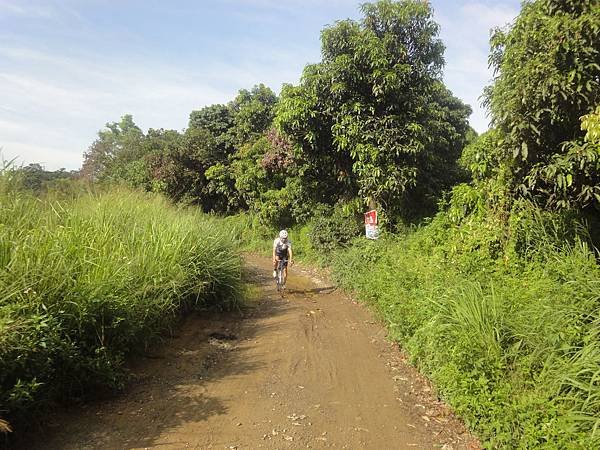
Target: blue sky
pixel 69 66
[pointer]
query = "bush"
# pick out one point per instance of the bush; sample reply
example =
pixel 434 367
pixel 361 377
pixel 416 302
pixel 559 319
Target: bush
pixel 502 315
pixel 248 231
pixel 86 280
pixel 330 231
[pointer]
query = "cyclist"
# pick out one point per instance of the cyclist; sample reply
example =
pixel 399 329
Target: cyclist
pixel 282 251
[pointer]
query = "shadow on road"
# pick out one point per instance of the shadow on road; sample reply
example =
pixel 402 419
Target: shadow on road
pixel 322 290
pixel 170 386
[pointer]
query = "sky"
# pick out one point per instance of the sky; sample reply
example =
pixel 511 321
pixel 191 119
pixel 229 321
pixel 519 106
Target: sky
pixel 67 67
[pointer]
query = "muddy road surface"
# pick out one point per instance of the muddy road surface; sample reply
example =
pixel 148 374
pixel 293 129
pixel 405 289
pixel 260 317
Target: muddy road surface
pixel 311 370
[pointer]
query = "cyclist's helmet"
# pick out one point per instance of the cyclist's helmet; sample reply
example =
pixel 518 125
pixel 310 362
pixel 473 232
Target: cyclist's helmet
pixel 283 235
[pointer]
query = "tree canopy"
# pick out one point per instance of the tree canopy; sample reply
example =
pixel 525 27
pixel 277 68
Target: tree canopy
pixel 373 119
pixel 372 123
pixel 547 78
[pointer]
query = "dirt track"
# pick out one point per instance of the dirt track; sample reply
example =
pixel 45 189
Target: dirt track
pixel 312 370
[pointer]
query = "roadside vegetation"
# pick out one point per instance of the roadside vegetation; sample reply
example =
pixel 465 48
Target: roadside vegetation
pixel 497 296
pixel 487 269
pixel 502 316
pixel 504 321
pixel 88 277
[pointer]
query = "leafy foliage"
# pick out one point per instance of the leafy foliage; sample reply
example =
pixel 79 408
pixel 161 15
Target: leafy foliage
pixel 218 121
pixel 328 232
pixel 373 119
pixel 35 178
pixel 118 145
pixel 502 316
pixel 198 166
pixel 254 112
pixel 548 66
pixel 496 298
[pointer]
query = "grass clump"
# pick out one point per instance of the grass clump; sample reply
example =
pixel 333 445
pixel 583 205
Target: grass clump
pixel 503 319
pixel 86 279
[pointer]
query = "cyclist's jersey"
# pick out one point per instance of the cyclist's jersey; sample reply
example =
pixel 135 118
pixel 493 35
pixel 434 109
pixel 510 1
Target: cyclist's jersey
pixel 282 248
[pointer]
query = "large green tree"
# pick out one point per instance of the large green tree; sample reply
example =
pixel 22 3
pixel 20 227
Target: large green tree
pixel 547 77
pixel 238 178
pixel 118 145
pixel 373 118
pixel 253 113
pixel 217 120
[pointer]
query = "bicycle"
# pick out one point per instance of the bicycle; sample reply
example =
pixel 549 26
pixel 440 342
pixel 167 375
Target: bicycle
pixel 280 275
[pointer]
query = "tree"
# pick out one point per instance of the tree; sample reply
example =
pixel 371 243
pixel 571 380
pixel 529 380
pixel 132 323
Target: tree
pixel 230 175
pixel 35 178
pixel 179 165
pixel 548 77
pixel 253 113
pixel 373 118
pixel 217 120
pixel 118 145
pixel 96 160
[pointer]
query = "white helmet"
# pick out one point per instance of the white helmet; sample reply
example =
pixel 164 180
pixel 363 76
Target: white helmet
pixel 283 234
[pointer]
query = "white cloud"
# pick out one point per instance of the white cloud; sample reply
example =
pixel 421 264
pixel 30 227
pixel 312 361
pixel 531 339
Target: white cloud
pixel 486 17
pixel 10 127
pixel 49 157
pixel 466 34
pixel 26 9
pixel 56 104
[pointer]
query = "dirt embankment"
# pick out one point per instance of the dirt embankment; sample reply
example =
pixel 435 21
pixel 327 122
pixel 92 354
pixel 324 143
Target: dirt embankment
pixel 311 370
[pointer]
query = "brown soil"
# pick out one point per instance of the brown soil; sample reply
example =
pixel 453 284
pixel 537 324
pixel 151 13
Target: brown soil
pixel 310 370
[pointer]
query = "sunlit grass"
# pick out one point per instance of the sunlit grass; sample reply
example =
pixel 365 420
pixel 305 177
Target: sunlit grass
pixel 510 340
pixel 86 278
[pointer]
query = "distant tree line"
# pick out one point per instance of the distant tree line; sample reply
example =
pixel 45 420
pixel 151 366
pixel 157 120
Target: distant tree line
pixel 373 125
pixel 34 177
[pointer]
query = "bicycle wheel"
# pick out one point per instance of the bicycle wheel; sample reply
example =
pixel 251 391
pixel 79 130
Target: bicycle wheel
pixel 278 277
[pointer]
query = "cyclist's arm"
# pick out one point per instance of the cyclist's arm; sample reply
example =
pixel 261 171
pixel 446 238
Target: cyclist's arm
pixel 274 246
pixel 290 254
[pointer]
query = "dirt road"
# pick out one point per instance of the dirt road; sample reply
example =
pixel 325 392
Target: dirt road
pixel 312 370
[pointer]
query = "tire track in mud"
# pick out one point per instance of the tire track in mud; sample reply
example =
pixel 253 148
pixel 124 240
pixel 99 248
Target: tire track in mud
pixel 311 370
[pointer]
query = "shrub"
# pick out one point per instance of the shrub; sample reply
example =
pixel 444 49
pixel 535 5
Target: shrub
pixel 502 316
pixel 328 232
pixel 86 280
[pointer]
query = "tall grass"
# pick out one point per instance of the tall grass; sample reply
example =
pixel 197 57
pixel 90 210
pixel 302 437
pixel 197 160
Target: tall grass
pixel 87 278
pixel 509 337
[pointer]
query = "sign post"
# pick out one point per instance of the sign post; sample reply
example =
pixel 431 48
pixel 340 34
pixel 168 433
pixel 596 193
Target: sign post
pixel 371 227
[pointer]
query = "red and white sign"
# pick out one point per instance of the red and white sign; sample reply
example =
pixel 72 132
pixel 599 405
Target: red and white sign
pixel 371 228
pixel 371 217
